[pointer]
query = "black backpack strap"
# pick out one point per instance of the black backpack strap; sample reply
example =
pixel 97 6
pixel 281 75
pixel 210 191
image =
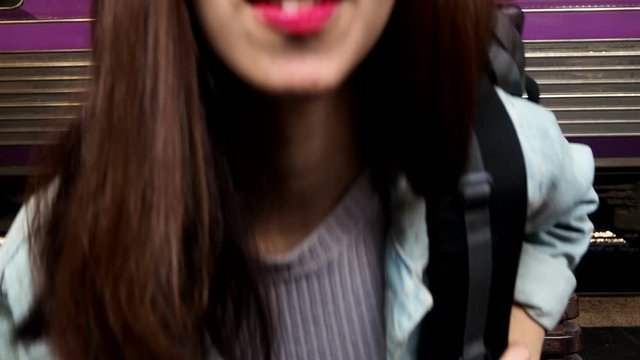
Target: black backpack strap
pixel 504 160
pixel 475 187
pixel 450 329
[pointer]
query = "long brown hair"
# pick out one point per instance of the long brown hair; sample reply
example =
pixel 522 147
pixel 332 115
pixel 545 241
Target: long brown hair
pixel 142 249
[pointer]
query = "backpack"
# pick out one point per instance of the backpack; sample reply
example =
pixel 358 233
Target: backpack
pixel 476 228
pixel 506 54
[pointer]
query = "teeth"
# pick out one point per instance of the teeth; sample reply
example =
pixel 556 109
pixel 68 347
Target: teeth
pixel 295 5
pixel 290 5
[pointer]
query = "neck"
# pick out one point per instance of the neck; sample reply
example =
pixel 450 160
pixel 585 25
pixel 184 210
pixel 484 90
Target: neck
pixel 314 161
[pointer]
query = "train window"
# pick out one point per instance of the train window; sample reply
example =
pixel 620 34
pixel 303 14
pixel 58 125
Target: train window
pixel 10 4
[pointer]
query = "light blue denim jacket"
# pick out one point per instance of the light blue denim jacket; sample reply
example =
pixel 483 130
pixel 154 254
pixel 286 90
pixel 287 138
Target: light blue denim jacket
pixel 560 196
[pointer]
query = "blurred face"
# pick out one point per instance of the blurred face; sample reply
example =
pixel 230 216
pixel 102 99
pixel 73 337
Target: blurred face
pixel 293 46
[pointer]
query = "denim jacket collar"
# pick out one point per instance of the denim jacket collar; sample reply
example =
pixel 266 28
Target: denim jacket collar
pixel 406 258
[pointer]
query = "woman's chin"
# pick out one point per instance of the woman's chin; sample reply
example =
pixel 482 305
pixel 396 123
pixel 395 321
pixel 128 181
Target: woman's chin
pixel 303 84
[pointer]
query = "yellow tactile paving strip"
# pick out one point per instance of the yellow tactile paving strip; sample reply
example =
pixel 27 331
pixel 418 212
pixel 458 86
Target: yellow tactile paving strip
pixel 607 311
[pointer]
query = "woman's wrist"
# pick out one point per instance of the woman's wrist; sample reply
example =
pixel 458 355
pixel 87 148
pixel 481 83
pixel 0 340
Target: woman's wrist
pixel 524 331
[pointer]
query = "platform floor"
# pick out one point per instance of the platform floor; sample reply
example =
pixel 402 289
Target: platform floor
pixel 611 327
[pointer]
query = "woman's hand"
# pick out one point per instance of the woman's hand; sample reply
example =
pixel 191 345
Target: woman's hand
pixel 516 352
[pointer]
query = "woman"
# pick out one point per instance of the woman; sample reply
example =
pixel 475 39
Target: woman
pixel 228 188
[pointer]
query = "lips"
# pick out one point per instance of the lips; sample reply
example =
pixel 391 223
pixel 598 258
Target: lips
pixel 294 17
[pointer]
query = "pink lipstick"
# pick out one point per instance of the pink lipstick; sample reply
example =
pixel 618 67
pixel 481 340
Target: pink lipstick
pixel 295 18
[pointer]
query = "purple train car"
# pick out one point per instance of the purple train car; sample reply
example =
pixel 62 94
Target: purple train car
pixel 44 62
pixel 586 56
pixel 44 58
pixel 584 53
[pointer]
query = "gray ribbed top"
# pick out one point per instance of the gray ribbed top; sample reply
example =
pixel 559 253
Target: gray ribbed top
pixel 326 296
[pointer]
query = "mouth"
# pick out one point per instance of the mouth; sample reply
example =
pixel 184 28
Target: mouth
pixel 295 17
